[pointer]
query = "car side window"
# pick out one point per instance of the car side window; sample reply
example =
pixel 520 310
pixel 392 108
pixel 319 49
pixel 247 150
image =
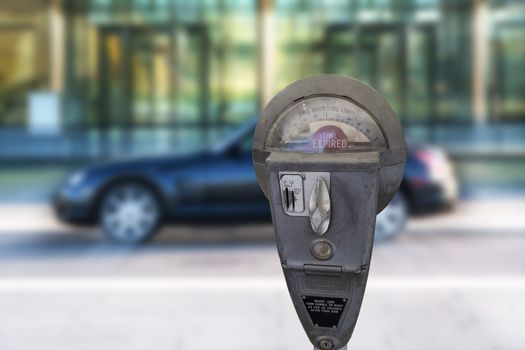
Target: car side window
pixel 246 144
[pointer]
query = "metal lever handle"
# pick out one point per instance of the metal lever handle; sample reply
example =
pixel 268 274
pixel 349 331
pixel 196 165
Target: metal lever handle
pixel 320 207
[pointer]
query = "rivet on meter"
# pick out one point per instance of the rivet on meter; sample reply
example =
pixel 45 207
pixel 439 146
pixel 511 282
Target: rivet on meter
pixel 321 249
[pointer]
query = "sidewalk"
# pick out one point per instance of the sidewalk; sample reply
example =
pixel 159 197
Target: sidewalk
pixel 438 286
pixel 476 216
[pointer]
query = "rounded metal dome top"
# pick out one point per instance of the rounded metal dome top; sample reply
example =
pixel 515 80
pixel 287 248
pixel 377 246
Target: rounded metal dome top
pixel 332 114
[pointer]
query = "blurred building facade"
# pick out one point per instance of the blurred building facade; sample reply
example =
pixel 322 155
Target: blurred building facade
pixel 97 78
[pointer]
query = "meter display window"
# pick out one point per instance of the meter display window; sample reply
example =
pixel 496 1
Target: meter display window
pixel 324 124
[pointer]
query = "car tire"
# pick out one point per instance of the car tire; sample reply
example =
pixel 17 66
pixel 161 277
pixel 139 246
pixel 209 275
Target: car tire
pixel 129 213
pixel 392 220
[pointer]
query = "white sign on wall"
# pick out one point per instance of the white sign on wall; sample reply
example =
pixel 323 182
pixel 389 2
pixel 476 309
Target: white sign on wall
pixel 44 113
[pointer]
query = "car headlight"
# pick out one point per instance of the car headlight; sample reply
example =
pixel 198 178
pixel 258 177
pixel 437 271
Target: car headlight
pixel 76 178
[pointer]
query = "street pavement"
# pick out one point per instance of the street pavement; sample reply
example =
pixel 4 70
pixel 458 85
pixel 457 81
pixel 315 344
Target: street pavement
pixel 452 281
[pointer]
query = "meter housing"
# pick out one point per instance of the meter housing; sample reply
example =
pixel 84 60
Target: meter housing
pixel 329 154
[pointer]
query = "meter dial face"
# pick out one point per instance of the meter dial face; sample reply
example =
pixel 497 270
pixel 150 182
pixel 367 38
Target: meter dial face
pixel 322 124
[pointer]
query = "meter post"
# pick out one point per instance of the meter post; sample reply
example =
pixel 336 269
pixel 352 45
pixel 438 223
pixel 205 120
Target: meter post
pixel 329 154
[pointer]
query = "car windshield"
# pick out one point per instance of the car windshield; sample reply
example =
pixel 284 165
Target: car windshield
pixel 241 136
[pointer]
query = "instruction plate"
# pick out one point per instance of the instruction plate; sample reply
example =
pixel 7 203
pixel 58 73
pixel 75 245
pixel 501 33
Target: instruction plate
pixel 324 311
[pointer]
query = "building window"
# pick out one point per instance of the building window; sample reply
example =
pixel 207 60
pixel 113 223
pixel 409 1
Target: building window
pixel 416 53
pixel 507 44
pixel 23 58
pixel 162 63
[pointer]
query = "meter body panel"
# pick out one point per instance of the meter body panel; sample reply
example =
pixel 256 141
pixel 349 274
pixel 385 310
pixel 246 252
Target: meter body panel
pixel 327 293
pixel 329 154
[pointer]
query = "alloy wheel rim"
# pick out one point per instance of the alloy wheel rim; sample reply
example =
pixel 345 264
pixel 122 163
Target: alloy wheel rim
pixel 392 218
pixel 129 213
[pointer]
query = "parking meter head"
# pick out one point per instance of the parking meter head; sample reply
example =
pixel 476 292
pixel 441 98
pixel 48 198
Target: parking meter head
pixel 329 154
pixel 332 114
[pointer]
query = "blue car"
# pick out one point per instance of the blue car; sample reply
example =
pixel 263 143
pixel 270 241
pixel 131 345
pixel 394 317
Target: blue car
pixel 131 199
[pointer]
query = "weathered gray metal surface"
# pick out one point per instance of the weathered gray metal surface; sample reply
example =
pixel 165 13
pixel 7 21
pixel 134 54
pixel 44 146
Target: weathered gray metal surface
pixel 327 293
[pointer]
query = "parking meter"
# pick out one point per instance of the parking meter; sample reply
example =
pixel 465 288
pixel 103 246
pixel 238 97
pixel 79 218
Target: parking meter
pixel 329 154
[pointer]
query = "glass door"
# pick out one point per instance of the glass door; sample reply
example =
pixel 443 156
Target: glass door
pixel 396 60
pixel 508 85
pixel 153 82
pixel 341 50
pixel 136 76
pixel 153 75
pixel 18 74
pixel 381 63
pixel 114 78
pixel 371 53
pixel 421 74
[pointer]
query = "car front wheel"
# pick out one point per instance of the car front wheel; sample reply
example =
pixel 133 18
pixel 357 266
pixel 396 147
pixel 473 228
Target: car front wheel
pixel 392 219
pixel 129 213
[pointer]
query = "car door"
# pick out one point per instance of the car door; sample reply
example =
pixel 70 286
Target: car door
pixel 225 185
pixel 232 185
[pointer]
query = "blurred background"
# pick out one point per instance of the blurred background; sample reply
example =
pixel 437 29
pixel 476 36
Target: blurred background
pixel 88 81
